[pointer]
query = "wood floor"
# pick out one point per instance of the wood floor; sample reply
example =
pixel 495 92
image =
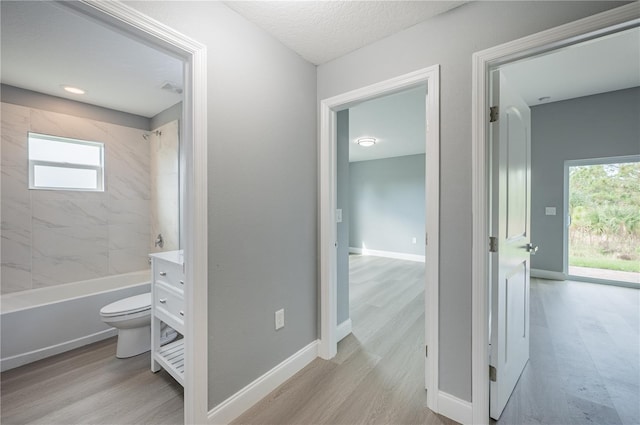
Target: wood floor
pixel 90 385
pixel 378 375
pixel 584 365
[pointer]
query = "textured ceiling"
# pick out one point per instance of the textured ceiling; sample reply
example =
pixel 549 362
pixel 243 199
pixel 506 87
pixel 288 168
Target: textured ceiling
pixel 397 121
pixel 321 31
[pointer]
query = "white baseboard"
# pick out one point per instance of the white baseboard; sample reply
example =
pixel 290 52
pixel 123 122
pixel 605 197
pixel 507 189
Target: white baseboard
pixel 547 274
pixel 454 408
pixel 241 401
pixel 343 330
pixel 387 254
pixel 42 353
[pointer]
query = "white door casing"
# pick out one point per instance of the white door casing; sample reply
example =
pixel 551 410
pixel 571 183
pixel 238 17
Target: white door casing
pixel 327 174
pixel 618 19
pixel 510 266
pixel 193 133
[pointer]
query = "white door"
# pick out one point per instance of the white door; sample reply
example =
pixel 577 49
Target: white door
pixel 511 163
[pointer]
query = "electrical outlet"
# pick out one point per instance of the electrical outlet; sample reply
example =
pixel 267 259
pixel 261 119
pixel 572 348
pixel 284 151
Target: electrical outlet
pixel 414 240
pixel 280 319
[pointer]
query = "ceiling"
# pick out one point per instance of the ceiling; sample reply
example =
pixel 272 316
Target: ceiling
pixel 321 31
pixel 396 121
pixel 602 65
pixel 45 46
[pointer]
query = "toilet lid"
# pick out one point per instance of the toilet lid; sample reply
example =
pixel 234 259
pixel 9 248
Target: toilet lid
pixel 130 305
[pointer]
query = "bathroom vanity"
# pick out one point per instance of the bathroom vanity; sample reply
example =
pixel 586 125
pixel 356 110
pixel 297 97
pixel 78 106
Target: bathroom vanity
pixel 167 305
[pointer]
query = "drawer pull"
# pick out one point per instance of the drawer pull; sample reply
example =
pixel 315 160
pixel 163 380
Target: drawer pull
pixel 182 282
pixel 163 273
pixel 181 313
pixel 162 300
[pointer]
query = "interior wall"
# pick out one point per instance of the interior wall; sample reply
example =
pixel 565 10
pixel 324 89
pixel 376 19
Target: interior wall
pixel 450 40
pixel 388 204
pixel 262 160
pixel 597 126
pixel 343 203
pixel 45 102
pixel 52 237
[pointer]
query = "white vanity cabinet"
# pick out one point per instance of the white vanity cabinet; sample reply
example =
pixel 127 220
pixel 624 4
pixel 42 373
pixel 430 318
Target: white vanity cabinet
pixel 167 305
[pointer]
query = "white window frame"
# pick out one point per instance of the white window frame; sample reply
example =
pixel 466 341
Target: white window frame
pixel 98 168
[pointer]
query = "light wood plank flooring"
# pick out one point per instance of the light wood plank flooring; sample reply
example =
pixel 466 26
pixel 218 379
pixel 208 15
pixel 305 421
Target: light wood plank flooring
pixel 90 385
pixel 584 365
pixel 378 375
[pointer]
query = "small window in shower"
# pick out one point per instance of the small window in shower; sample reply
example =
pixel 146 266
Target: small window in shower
pixel 59 163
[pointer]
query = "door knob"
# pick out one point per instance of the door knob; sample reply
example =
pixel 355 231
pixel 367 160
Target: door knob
pixel 531 249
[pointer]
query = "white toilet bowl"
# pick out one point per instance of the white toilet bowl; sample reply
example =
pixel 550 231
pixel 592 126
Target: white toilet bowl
pixel 132 317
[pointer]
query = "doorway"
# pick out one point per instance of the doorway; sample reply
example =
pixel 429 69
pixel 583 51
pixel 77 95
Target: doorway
pixel 484 62
pixel 328 220
pixel 136 25
pixel 602 232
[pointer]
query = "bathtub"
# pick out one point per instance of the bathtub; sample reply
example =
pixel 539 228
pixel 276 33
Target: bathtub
pixel 42 322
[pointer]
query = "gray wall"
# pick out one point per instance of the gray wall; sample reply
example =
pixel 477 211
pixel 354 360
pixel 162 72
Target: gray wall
pixel 388 204
pixel 172 113
pixel 596 126
pixel 450 40
pixel 343 203
pixel 45 102
pixel 262 192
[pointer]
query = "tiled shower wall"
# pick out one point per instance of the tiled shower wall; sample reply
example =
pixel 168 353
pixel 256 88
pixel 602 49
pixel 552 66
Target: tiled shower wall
pixel 54 237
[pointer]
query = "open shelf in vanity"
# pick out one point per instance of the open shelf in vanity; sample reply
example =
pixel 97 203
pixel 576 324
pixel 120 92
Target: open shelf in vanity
pixel 167 305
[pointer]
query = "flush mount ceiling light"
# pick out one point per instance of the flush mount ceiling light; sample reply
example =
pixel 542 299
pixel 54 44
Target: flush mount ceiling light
pixel 366 141
pixel 74 90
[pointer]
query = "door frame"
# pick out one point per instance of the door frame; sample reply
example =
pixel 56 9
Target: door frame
pixel 607 22
pixel 136 25
pixel 565 236
pixel 329 107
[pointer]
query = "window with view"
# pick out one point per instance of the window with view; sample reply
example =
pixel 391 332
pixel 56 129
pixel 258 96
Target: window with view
pixel 59 163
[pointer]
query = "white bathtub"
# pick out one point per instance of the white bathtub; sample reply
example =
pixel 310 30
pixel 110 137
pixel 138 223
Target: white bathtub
pixel 42 322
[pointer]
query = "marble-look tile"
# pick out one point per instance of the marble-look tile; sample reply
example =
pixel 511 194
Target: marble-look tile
pixel 129 236
pixel 129 211
pixel 14 132
pixel 63 242
pixel 165 221
pixel 128 260
pixel 164 149
pixel 14 279
pixel 62 125
pixel 15 184
pixel 67 213
pixel 127 164
pixel 56 270
pixel 16 253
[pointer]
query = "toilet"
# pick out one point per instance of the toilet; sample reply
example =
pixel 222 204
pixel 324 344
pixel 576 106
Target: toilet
pixel 132 317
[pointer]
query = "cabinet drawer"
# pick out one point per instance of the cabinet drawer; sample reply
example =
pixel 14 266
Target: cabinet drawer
pixel 169 303
pixel 169 273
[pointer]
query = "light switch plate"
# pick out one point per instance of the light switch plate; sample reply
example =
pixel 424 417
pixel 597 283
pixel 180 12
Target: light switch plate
pixel 338 216
pixel 280 319
pixel 550 211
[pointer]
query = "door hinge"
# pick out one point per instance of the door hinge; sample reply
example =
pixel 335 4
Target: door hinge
pixel 493 244
pixel 493 114
pixel 493 373
pixel 426 351
pixel 426 239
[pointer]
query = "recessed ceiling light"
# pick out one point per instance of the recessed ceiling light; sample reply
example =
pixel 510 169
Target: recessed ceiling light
pixel 544 98
pixel 74 90
pixel 366 141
